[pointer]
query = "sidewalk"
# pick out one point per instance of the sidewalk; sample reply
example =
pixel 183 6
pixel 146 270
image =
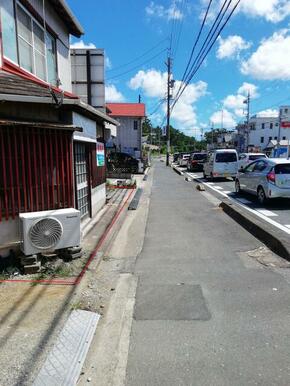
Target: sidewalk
pixel 206 312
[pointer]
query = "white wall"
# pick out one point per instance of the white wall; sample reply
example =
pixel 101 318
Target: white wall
pixel 127 138
pixel 98 198
pixel 9 235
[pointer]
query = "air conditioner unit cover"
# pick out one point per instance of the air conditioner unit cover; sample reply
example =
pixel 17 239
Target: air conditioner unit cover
pixel 49 230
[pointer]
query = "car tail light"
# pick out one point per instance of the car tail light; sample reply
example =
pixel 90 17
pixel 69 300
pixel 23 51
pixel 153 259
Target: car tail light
pixel 271 177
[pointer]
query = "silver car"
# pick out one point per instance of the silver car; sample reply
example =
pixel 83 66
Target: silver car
pixel 266 178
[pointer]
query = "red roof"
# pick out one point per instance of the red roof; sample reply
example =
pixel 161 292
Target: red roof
pixel 126 109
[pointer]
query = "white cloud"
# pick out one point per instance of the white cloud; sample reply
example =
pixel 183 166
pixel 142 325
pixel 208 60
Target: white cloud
pixel 170 13
pixel 268 113
pixel 154 84
pixel 223 119
pixel 271 10
pixel 108 63
pixel 231 46
pixel 248 87
pixel 113 95
pixel 81 44
pixel 272 58
pixel 236 102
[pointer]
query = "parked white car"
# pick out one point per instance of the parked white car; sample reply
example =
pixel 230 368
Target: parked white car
pixel 266 178
pixel 183 158
pixel 221 163
pixel 246 158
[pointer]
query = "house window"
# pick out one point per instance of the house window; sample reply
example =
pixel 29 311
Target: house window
pixel 36 47
pixel 8 30
pixel 263 125
pixel 276 124
pixel 271 125
pixel 262 140
pixel 135 125
pixel 286 111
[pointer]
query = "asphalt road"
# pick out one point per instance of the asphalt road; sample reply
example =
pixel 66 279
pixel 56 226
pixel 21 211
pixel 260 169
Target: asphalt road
pixel 206 312
pixel 277 210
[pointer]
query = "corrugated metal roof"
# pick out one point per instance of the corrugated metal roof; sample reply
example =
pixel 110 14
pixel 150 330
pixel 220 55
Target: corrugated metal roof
pixel 126 109
pixel 19 85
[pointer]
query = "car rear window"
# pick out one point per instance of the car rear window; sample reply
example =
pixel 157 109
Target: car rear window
pixel 225 157
pixel 257 156
pixel 282 169
pixel 199 156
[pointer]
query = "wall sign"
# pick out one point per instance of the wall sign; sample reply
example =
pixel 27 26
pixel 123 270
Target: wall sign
pixel 100 154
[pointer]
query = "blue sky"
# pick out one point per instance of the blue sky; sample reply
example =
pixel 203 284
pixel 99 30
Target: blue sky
pixel 252 54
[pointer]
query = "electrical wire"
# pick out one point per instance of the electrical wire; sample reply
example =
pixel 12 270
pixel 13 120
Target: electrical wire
pixel 157 107
pixel 138 66
pixel 209 36
pixel 139 57
pixel 205 53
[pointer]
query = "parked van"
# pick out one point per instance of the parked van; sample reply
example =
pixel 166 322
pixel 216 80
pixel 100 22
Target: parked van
pixel 221 163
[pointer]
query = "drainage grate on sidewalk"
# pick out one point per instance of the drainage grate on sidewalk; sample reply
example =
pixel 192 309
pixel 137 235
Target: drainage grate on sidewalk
pixel 64 363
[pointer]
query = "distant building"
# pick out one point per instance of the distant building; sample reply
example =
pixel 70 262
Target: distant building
pixel 265 129
pixel 129 134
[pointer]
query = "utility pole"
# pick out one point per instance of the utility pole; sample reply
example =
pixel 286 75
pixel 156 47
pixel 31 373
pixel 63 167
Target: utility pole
pixel 247 101
pixel 168 64
pixel 279 132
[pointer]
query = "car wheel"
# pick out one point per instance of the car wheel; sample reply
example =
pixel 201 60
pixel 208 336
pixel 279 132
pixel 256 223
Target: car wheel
pixel 261 195
pixel 237 187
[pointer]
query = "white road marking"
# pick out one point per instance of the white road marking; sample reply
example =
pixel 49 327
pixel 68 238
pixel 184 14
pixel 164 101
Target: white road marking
pixel 267 212
pixel 269 220
pixel 219 187
pixel 208 183
pixel 287 225
pixel 227 191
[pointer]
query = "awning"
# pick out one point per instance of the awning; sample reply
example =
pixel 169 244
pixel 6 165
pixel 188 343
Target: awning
pixel 40 125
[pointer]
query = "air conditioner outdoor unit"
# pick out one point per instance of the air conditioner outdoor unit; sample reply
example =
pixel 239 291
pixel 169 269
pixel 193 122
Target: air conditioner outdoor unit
pixel 49 230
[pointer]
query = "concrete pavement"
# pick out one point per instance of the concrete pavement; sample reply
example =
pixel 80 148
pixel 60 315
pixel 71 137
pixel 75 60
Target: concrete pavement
pixel 206 312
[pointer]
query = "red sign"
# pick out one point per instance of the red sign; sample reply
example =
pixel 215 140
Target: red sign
pixel 285 125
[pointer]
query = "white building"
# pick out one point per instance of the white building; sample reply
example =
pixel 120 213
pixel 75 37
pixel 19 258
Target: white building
pixel 129 134
pixel 265 129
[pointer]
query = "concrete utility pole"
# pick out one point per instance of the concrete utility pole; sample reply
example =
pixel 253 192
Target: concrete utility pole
pixel 168 64
pixel 247 101
pixel 279 130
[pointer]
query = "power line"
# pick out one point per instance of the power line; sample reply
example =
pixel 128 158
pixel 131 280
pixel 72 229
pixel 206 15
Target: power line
pixel 196 40
pixel 157 107
pixel 186 76
pixel 138 66
pixel 203 54
pixel 139 57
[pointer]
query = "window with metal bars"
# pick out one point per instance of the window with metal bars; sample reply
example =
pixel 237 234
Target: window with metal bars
pixel 35 170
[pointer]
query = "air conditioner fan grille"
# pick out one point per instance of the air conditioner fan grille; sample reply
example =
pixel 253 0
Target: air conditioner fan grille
pixel 45 233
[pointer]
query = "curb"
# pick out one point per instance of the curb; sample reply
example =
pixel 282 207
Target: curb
pixel 271 236
pixel 177 171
